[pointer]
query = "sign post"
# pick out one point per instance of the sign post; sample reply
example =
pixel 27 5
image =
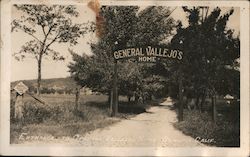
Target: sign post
pixel 20 89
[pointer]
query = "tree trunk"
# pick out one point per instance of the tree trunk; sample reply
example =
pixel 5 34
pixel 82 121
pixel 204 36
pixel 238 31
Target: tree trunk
pixel 115 92
pixel 110 100
pixel 109 96
pixel 180 104
pixel 197 102
pixel 77 99
pixel 129 98
pixel 150 97
pixel 136 98
pixel 39 76
pixel 214 112
pixel 203 101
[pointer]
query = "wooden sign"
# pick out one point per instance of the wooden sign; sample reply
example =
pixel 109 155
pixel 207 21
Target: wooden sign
pixel 148 54
pixel 21 88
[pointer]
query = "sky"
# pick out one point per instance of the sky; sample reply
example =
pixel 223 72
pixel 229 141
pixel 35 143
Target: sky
pixel 27 69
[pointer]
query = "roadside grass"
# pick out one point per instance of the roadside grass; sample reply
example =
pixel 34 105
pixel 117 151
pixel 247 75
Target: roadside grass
pixel 225 132
pixel 58 118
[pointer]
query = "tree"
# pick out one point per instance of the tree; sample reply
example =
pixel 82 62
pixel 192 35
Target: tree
pixel 123 27
pixel 130 79
pixel 210 50
pixel 55 24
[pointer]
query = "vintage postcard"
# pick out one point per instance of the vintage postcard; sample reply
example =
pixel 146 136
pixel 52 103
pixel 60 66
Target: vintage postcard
pixel 124 78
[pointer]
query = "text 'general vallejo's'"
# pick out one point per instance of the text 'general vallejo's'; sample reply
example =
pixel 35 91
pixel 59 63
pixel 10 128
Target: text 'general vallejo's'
pixel 148 54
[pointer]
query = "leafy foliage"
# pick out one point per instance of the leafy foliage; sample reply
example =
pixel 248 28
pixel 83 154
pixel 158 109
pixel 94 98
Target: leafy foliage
pixel 210 52
pixel 46 25
pixel 56 26
pixel 123 27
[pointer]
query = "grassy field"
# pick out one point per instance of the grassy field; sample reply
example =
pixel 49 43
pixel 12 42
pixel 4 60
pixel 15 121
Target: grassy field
pixel 58 118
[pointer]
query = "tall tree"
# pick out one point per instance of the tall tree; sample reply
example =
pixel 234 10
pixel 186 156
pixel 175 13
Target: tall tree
pixel 210 50
pixel 47 25
pixel 126 27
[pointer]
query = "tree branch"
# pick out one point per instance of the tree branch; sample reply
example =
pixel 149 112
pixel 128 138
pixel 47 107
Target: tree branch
pixel 33 36
pixel 50 29
pixel 29 34
pixel 46 35
pixel 46 48
pixel 43 30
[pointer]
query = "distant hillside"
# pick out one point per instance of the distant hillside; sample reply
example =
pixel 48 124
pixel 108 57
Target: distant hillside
pixel 55 83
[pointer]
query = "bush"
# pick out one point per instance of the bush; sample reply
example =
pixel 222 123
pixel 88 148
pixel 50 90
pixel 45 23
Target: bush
pixel 35 113
pixel 59 118
pixel 56 113
pixel 60 91
pixel 196 124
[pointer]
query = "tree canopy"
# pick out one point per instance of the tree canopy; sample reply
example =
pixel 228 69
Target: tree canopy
pixel 46 25
pixel 126 26
pixel 210 63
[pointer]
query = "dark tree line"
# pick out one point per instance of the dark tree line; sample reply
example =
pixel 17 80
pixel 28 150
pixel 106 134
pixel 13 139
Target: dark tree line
pixel 124 27
pixel 210 65
pixel 211 56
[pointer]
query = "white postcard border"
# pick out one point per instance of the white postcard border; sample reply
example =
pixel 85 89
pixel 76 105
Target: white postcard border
pixel 8 149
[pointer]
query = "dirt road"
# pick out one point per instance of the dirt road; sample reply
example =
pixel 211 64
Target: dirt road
pixel 151 129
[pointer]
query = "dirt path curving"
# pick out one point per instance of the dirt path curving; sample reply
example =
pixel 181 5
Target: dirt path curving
pixel 151 129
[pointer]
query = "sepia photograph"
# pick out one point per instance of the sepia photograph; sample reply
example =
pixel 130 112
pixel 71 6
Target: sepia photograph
pixel 93 74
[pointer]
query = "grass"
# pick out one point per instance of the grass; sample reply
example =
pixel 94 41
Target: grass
pixel 58 118
pixel 226 130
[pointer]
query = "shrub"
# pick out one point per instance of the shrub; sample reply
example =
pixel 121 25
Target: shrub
pixel 35 113
pixel 59 118
pixel 196 124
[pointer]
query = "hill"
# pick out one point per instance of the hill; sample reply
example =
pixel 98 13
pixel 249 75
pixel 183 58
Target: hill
pixel 54 83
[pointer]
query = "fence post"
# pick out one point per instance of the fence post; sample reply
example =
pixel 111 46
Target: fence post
pixel 19 107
